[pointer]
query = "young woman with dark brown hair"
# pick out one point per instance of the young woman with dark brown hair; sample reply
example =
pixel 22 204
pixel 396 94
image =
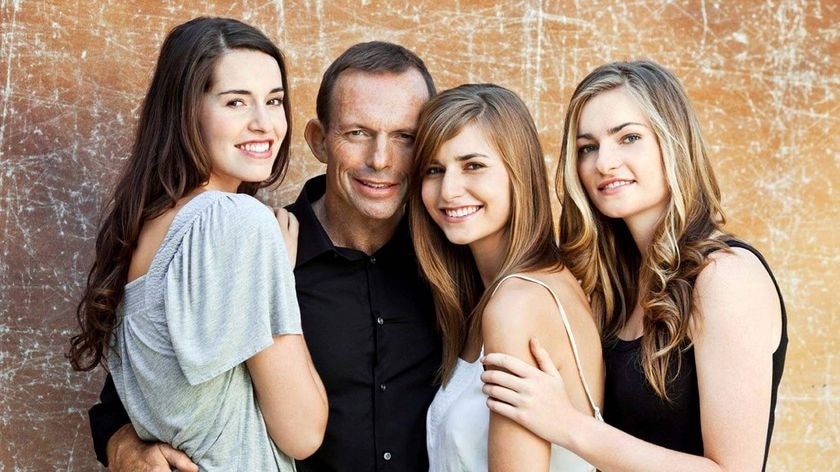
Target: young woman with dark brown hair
pixel 190 303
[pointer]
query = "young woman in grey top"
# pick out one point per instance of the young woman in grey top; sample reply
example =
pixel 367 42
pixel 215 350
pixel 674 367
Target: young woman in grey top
pixel 190 302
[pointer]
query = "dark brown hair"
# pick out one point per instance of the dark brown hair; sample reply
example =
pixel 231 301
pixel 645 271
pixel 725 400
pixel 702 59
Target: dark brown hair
pixel 168 160
pixel 373 57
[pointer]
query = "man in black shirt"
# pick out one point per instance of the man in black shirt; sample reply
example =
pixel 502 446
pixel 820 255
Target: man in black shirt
pixel 367 316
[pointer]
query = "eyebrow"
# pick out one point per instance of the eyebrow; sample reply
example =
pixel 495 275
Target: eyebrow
pixel 465 157
pixel 248 92
pixel 611 131
pixel 469 156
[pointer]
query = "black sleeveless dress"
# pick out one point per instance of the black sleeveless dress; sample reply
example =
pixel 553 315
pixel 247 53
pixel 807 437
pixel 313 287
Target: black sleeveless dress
pixel 632 406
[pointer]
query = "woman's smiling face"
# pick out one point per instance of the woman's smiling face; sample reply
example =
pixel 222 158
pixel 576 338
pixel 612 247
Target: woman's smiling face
pixel 619 160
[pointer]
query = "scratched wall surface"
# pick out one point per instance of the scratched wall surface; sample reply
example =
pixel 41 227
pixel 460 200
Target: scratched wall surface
pixel 764 76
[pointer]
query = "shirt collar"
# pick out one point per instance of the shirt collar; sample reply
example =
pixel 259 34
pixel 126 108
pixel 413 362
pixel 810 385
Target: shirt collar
pixel 313 240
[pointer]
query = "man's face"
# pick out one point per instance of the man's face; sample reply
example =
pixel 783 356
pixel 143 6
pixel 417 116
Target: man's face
pixel 369 144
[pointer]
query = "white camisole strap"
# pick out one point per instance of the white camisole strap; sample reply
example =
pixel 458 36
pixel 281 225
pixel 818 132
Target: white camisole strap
pixel 568 327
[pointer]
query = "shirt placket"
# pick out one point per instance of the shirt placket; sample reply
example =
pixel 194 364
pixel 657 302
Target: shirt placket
pixel 379 318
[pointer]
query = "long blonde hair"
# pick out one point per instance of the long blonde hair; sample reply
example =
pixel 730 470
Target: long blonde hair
pixel 600 250
pixel 458 292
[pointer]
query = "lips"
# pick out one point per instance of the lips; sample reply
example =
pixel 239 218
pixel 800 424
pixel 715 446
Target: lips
pixel 614 184
pixel 460 212
pixel 255 147
pixel 375 185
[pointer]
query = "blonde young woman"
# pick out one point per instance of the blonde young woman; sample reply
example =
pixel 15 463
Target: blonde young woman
pixel 692 321
pixel 482 228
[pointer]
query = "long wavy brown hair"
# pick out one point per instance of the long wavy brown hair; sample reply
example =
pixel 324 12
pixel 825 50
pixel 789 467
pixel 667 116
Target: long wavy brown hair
pixel 601 251
pixel 168 161
pixel 459 294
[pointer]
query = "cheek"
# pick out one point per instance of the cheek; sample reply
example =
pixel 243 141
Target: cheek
pixel 582 173
pixel 344 155
pixel 214 128
pixel 280 125
pixel 429 191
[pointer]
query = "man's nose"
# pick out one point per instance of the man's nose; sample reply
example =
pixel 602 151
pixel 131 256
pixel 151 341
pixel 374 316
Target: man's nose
pixel 380 154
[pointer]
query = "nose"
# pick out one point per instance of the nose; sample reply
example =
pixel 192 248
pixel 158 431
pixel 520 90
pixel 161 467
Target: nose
pixel 259 119
pixel 451 186
pixel 607 160
pixel 380 155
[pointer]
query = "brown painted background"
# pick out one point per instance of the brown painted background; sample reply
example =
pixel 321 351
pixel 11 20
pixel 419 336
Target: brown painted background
pixel 764 77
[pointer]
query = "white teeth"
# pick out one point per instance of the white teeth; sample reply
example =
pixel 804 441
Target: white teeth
pixel 616 184
pixel 371 185
pixel 461 212
pixel 255 147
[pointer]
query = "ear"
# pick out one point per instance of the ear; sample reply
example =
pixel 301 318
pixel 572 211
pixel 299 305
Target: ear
pixel 315 136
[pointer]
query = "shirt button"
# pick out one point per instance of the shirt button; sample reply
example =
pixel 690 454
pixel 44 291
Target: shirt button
pixel 380 321
pixel 383 387
pixel 373 260
pixel 387 456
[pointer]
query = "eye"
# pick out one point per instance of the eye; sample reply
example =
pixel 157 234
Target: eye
pixel 276 101
pixel 472 165
pixel 356 132
pixel 434 170
pixel 236 103
pixel 406 137
pixel 630 138
pixel 586 149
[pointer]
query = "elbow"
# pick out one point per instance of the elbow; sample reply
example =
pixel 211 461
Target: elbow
pixel 305 444
pixel 306 440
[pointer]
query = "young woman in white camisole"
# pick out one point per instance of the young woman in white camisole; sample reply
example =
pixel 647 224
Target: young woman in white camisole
pixel 482 228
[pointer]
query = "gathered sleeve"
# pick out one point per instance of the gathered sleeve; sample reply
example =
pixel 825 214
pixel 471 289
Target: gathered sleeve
pixel 229 288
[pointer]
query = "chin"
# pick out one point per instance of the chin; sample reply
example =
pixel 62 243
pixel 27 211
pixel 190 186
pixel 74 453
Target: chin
pixel 458 240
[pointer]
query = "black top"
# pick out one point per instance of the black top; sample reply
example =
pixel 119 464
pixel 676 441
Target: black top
pixel 631 405
pixel 369 325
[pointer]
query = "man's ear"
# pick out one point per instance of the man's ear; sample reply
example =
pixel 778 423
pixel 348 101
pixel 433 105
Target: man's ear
pixel 315 136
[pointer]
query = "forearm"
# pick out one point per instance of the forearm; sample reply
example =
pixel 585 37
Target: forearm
pixel 291 396
pixel 612 450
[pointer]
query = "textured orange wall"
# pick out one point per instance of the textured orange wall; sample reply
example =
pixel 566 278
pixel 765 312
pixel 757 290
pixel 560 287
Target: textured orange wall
pixel 763 74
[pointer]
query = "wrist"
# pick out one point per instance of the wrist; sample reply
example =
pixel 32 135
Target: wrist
pixel 577 424
pixel 120 437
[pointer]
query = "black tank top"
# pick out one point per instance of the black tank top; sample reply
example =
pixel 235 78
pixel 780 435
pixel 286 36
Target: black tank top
pixel 632 406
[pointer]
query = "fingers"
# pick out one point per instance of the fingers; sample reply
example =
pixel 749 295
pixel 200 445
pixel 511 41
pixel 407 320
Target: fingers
pixel 509 363
pixel 289 228
pixel 543 358
pixel 503 379
pixel 503 394
pixel 502 408
pixel 177 459
pixel 294 225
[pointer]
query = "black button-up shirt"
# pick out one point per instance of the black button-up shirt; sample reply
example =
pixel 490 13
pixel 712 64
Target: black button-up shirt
pixel 369 325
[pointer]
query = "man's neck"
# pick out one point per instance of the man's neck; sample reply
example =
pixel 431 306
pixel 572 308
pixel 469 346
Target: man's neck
pixel 368 236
